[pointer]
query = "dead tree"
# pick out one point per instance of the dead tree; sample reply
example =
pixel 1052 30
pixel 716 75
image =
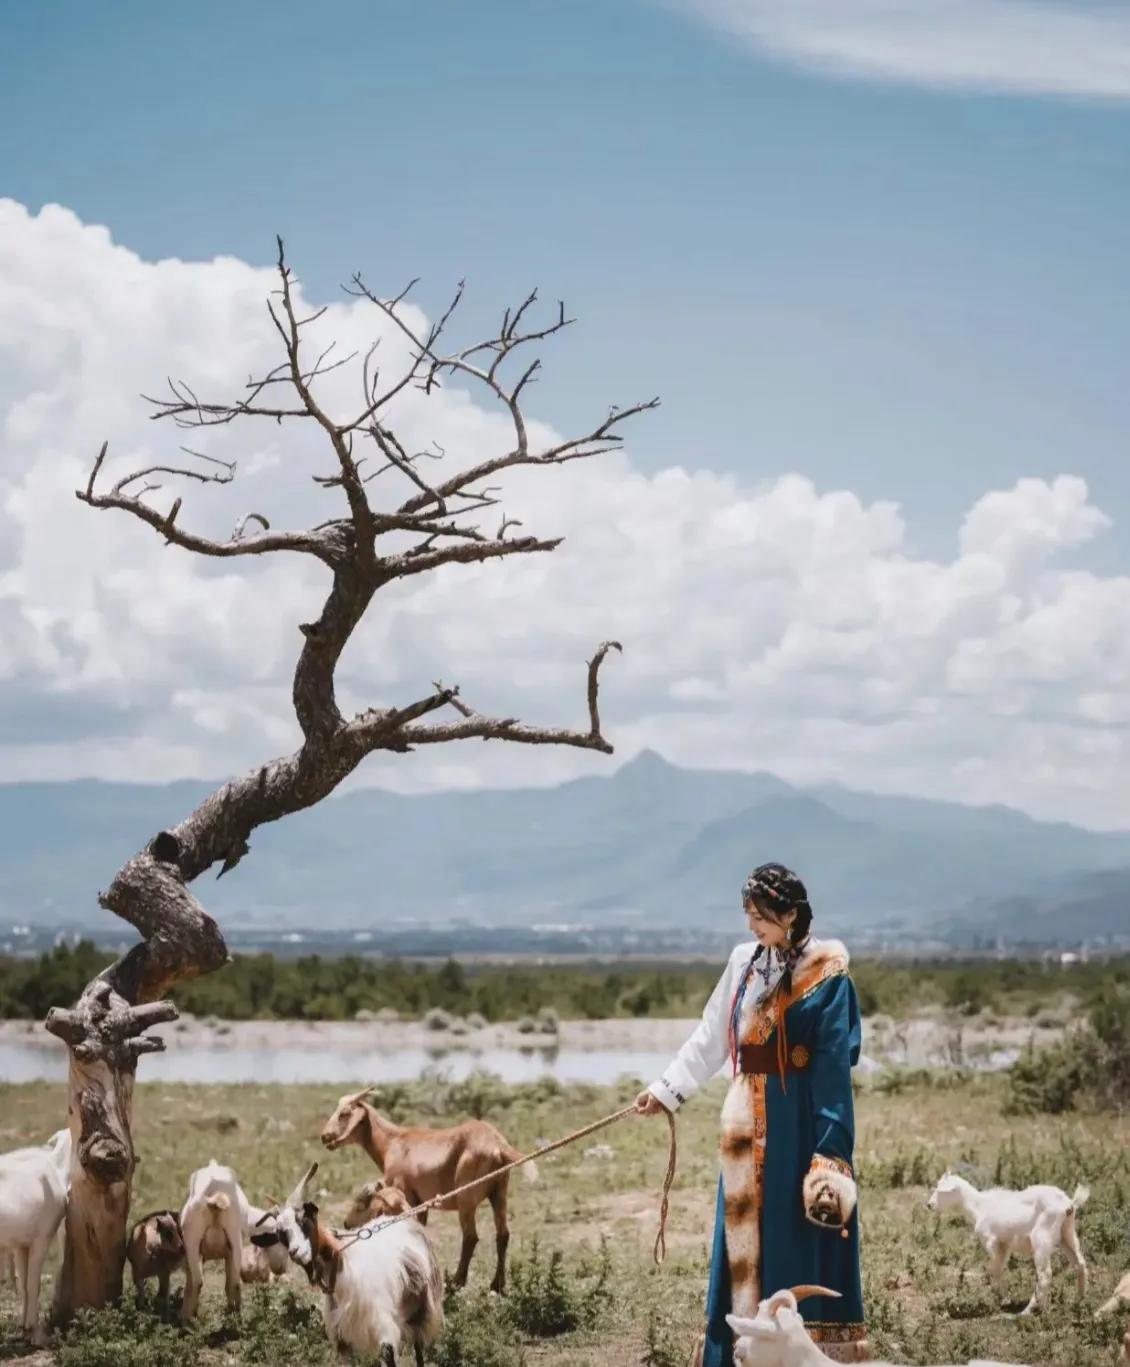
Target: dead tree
pixel 366 548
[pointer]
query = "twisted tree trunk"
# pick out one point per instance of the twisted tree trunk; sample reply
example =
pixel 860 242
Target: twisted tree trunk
pixel 105 1031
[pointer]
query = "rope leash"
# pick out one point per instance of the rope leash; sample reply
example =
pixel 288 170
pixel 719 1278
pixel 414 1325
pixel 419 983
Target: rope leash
pixel 659 1252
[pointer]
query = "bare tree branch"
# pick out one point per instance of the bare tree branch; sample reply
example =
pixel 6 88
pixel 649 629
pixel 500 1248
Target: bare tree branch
pixel 325 547
pixel 408 563
pixel 351 481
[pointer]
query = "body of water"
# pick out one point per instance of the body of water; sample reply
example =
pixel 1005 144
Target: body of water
pixel 34 1063
pixel 204 1064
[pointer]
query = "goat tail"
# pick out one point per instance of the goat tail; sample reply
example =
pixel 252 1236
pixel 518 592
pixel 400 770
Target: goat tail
pixel 1079 1200
pixel 506 1154
pixel 218 1202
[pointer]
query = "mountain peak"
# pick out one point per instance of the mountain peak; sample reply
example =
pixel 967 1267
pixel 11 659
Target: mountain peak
pixel 647 764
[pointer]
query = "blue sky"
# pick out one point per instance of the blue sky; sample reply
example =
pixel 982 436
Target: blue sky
pixel 908 291
pixel 854 246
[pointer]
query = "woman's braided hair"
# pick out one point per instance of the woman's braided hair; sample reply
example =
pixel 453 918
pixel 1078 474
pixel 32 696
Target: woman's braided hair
pixel 777 890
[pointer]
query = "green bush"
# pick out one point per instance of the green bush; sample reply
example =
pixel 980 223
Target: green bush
pixel 662 1346
pixel 543 1302
pixel 1090 1064
pixel 1048 1081
pixel 280 1326
pixel 125 1336
pixel 477 1333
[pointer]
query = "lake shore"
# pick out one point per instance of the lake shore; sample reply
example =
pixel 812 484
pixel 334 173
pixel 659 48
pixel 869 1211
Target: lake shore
pixel 929 1040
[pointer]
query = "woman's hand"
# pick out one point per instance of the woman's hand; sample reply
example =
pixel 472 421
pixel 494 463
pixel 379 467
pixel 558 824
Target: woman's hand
pixel 647 1104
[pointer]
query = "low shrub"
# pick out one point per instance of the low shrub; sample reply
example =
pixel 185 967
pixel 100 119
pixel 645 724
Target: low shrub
pixel 663 1345
pixel 477 1333
pixel 1090 1064
pixel 545 1302
pixel 125 1335
pixel 280 1326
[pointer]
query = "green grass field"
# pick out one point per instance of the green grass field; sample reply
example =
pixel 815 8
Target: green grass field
pixel 583 1233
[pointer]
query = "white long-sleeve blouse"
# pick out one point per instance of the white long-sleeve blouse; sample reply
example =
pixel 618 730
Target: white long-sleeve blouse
pixel 708 1048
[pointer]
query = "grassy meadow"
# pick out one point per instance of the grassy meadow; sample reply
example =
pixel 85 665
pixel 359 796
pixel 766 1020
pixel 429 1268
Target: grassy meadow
pixel 583 1287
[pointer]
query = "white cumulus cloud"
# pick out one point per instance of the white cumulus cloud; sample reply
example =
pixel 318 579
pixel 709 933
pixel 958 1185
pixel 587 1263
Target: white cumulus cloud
pixel 1041 47
pixel 778 625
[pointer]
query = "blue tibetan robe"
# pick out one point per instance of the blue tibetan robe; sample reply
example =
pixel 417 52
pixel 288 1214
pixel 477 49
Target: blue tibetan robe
pixel 772 1130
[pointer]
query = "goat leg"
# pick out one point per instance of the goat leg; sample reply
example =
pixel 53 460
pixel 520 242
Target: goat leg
pixel 35 1259
pixel 502 1242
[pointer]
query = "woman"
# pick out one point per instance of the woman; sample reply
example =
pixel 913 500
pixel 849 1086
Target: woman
pixel 785 1016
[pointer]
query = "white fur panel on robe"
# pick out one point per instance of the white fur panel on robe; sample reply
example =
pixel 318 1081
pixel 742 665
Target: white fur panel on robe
pixel 741 1175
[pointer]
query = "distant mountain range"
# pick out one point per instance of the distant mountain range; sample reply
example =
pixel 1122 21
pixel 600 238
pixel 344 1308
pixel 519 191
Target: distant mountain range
pixel 650 843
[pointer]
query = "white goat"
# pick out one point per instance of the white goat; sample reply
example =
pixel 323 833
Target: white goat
pixel 1120 1298
pixel 777 1337
pixel 33 1199
pixel 212 1221
pixel 383 1286
pixel 1033 1223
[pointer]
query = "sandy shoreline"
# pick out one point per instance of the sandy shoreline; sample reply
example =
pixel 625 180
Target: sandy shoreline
pixel 364 1036
pixel 924 1041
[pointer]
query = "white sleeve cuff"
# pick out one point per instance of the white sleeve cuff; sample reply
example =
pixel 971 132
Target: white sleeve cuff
pixel 666 1094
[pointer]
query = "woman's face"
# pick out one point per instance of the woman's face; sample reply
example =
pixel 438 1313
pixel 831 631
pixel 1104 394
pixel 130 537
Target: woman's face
pixel 770 931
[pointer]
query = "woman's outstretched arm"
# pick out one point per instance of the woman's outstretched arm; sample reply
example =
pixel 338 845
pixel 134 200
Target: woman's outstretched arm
pixel 703 1054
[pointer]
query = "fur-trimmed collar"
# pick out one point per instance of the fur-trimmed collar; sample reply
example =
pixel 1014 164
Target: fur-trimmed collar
pixel 820 952
pixel 815 952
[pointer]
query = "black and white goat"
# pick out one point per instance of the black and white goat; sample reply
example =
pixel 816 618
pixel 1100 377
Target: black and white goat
pixel 383 1286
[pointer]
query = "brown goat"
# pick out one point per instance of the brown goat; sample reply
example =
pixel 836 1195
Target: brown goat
pixel 155 1249
pixel 376 1200
pixel 426 1163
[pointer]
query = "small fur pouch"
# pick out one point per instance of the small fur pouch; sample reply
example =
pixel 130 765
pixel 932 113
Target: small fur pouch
pixel 829 1193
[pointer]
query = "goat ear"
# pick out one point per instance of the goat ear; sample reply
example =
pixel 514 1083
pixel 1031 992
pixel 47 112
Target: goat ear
pixel 266 1240
pixel 741 1327
pixel 310 1210
pixel 356 1115
pixel 267 1215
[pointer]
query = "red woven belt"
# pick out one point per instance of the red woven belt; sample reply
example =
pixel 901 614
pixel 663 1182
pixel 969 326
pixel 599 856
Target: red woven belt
pixel 762 1058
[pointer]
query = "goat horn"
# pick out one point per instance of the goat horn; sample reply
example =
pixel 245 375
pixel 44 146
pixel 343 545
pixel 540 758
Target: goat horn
pixel 299 1192
pixel 802 1293
pixel 778 1300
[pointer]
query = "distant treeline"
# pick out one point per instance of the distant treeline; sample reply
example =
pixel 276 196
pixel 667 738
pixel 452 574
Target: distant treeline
pixel 259 986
